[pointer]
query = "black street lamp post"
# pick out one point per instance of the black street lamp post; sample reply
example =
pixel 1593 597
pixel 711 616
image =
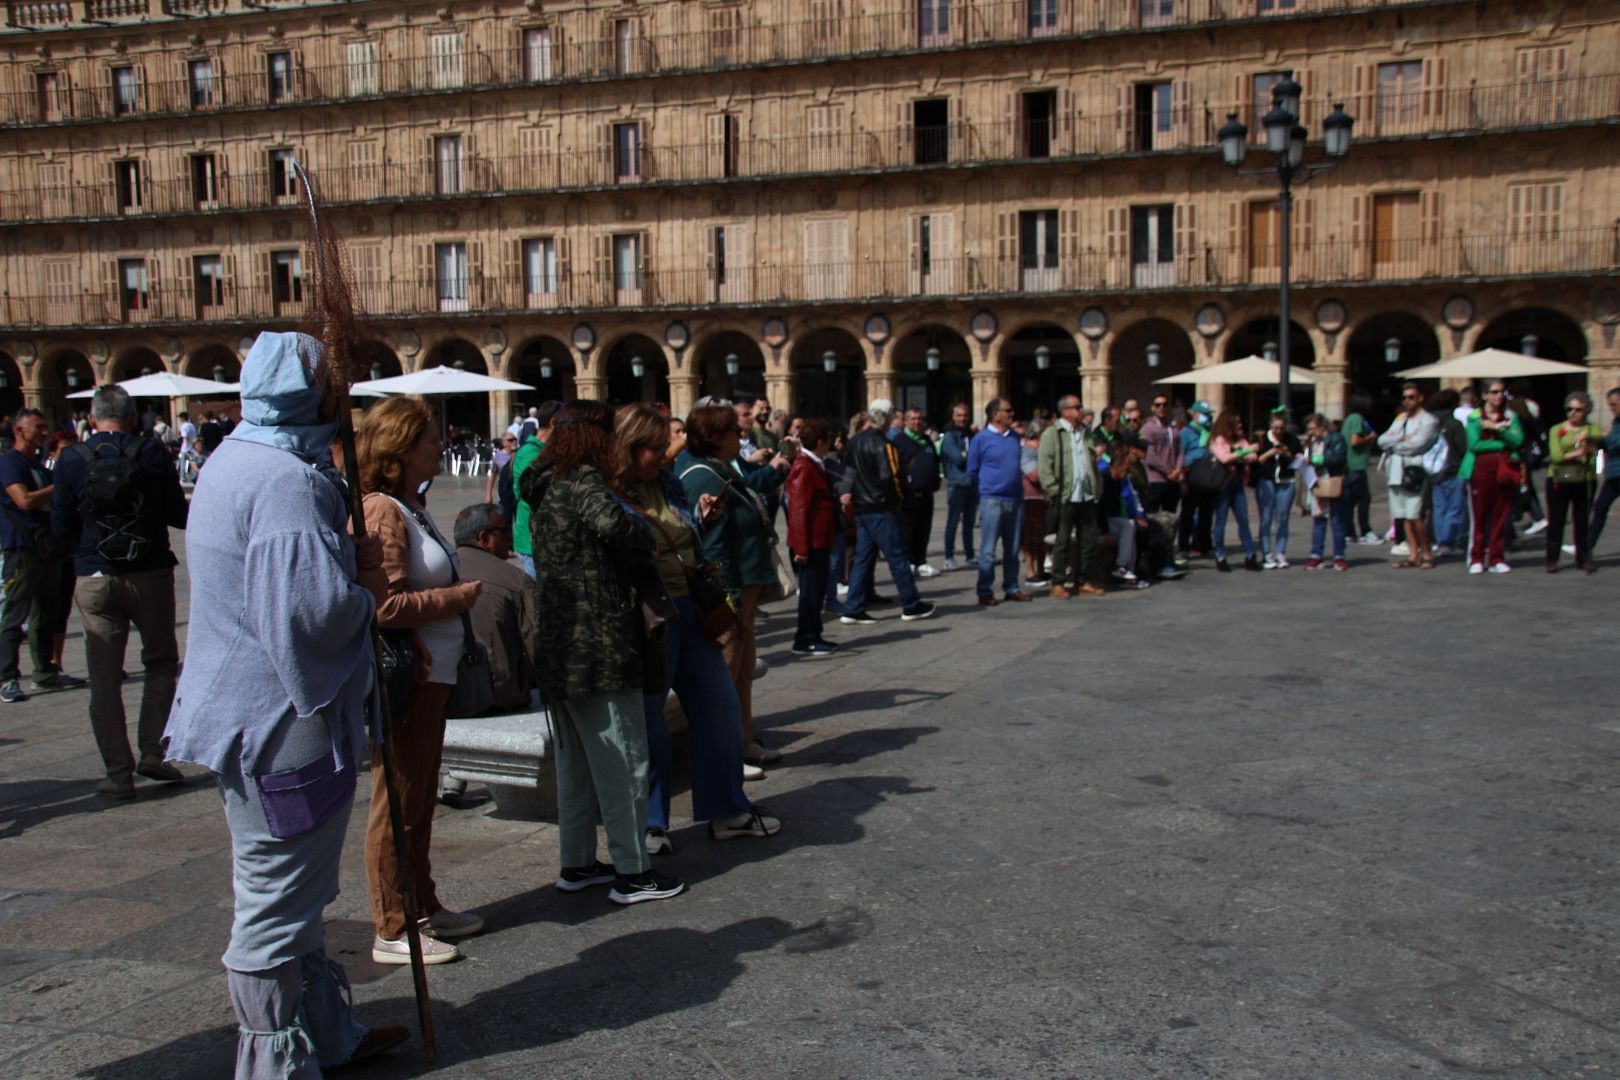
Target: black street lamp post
pixel 1285 139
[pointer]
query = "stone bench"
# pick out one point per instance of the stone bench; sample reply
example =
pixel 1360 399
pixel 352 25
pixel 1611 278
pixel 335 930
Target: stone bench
pixel 511 753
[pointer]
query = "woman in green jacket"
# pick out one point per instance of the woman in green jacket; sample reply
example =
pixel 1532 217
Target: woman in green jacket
pixel 1491 468
pixel 740 543
pixel 1572 448
pixel 588 655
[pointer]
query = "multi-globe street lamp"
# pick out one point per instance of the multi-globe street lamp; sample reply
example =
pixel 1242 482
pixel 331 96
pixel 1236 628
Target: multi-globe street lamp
pixel 1285 139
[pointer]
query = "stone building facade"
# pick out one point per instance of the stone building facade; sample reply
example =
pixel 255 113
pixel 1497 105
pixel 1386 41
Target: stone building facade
pixel 929 200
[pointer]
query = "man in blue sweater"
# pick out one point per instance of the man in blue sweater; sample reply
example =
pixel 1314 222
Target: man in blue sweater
pixel 993 466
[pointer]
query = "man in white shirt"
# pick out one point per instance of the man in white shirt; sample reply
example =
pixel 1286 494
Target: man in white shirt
pixel 188 449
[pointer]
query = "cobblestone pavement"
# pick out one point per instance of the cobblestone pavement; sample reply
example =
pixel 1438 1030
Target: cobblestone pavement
pixel 1284 825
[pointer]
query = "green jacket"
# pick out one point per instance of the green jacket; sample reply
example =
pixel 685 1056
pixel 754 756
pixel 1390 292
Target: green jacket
pixel 526 455
pixel 1055 458
pixel 588 628
pixel 1560 441
pixel 1510 440
pixel 741 542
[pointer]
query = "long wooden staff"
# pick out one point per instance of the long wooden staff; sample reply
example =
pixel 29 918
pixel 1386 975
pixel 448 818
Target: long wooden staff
pixel 340 368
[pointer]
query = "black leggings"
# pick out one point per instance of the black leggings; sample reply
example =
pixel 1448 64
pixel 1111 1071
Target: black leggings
pixel 1561 500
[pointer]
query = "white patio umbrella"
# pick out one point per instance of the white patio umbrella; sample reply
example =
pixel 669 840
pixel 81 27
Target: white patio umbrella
pixel 438 380
pixel 166 384
pixel 1249 371
pixel 1492 364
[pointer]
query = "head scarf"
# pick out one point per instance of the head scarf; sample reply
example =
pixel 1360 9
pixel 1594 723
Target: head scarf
pixel 281 398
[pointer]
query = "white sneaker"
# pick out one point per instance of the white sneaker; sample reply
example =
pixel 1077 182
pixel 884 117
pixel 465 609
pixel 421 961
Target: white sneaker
pixel 1535 527
pixel 752 772
pixel 398 951
pixel 1282 563
pixel 926 571
pixel 843 591
pixel 1501 568
pixel 1476 568
pixel 1270 563
pixel 950 564
pixel 1568 549
pixel 1369 538
pixel 1401 549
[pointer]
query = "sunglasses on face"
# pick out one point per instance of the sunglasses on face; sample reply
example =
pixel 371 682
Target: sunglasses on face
pixel 1160 404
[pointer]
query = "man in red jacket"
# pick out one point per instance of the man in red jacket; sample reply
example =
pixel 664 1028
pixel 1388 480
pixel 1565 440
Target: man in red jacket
pixel 812 531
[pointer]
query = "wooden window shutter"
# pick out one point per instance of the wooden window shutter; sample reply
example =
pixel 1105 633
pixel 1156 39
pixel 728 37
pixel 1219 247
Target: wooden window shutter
pixel 739 260
pixel 476 297
pixel 1303 238
pixel 228 279
pixel 604 152
pixel 1065 124
pixel 602 264
pixel 1068 248
pixel 1431 217
pixel 513 270
pixel 1242 101
pixel 942 251
pixel 1117 232
pixel 1181 107
pixel 565 259
pixel 715 144
pixel 1015 135
pixel 1360 233
pixel 649 280
pixel 1186 223
pixel 1307 107
pixel 1366 96
pixel 1124 117
pixel 914 243
pixel 1434 89
pixel 1007 238
pixel 154 284
pixel 1237 227
pixel 111 288
pixel 903 131
pixel 261 280
pixel 709 267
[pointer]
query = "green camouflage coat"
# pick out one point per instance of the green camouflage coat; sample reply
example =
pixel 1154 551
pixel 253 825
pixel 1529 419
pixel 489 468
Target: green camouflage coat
pixel 585 543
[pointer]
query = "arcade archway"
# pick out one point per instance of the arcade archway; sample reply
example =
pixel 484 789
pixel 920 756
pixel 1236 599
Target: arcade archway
pixel 933 364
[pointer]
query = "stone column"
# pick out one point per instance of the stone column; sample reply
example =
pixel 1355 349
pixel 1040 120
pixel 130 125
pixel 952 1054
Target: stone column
pixel 1603 375
pixel 780 387
pixel 500 412
pixel 683 392
pixel 590 380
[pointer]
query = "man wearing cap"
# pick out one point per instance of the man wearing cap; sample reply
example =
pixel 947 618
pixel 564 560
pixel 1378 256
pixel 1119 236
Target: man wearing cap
pixel 1197 509
pixel 1068 470
pixel 1163 457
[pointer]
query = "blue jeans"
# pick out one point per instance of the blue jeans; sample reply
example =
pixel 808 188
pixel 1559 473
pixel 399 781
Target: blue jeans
pixel 1003 520
pixel 962 504
pixel 1450 511
pixel 1276 501
pixel 1608 490
pixel 528 565
pixel 812 595
pixel 876 533
pixel 701 680
pixel 1337 511
pixel 1231 498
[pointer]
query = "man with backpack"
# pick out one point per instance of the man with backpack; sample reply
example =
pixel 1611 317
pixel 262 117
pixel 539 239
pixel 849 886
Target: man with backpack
pixel 117 495
pixel 30 564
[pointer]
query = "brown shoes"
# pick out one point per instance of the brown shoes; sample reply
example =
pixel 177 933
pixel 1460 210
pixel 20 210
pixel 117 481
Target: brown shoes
pixel 1018 598
pixel 988 601
pixel 1088 589
pixel 1062 592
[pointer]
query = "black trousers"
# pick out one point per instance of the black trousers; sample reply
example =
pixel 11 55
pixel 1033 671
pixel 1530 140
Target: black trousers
pixel 919 519
pixel 1360 493
pixel 1195 529
pixel 1075 558
pixel 1561 499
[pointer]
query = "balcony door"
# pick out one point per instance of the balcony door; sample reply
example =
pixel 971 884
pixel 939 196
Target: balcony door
pixel 1153 247
pixel 1395 234
pixel 1038 250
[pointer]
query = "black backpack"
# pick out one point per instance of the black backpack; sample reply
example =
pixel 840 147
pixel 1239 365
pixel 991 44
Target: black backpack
pixel 111 501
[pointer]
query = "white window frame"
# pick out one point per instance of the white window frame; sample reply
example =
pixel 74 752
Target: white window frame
pixel 450 275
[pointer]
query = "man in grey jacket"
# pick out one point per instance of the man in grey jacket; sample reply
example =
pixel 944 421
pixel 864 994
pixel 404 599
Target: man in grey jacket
pixel 1404 444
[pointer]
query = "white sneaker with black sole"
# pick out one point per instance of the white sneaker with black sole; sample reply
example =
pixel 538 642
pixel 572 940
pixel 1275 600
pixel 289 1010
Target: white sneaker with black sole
pixel 920 610
pixel 575 878
pixel 645 886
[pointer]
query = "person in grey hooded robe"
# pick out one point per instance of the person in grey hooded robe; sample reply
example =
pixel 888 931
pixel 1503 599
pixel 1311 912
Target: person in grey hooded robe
pixel 274 700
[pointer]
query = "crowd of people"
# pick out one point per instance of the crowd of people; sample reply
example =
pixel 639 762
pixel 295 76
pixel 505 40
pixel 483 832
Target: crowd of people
pixel 622 558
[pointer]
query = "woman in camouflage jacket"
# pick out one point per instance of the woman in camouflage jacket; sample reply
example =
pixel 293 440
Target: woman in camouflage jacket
pixel 588 654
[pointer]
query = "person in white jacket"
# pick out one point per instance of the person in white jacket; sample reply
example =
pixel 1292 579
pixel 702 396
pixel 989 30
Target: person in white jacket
pixel 1409 437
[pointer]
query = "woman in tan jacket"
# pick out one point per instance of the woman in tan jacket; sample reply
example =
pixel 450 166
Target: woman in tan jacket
pixel 399 451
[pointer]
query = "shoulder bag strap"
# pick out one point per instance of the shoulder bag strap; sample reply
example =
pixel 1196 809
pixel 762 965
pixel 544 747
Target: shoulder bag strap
pixel 469 641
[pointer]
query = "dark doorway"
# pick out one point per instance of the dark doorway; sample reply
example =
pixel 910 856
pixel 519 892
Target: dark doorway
pixel 930 122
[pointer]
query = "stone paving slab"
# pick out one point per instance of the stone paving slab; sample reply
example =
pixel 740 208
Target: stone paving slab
pixel 1279 825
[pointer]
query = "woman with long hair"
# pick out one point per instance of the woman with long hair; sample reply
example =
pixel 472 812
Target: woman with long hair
pixel 1229 446
pixel 399 451
pixel 1492 470
pixel 588 654
pixel 698 673
pixel 1328 454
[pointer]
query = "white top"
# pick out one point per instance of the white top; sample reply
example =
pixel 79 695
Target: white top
pixel 1080 491
pixel 188 435
pixel 431 566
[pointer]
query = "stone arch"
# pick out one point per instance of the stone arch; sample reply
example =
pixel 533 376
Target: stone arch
pixel 1557 336
pixel 1251 339
pixel 545 363
pixel 376 360
pixel 619 360
pixel 708 363
pixel 1129 370
pixel 64 372
pixel 837 394
pixel 133 362
pixel 219 363
pixel 1371 374
pixel 1032 388
pixel 938 391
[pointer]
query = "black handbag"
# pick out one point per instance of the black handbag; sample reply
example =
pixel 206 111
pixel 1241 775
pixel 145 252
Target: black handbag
pixel 655 610
pixel 1206 476
pixel 1413 477
pixel 396 670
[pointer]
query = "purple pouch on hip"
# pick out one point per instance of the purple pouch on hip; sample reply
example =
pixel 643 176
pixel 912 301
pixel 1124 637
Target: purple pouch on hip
pixel 298 800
